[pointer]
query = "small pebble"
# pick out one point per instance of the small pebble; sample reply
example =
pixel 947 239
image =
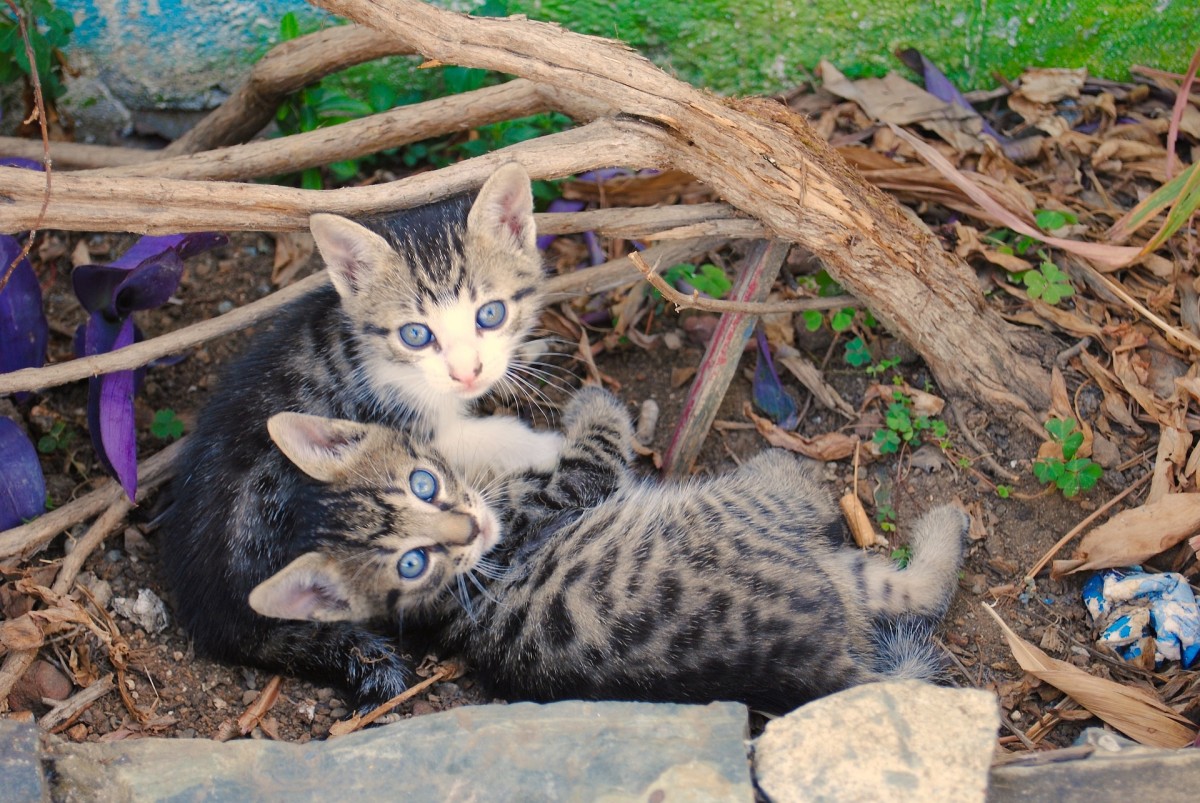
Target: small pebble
pixel 324 695
pixel 113 556
pixel 338 713
pixel 224 307
pixel 219 704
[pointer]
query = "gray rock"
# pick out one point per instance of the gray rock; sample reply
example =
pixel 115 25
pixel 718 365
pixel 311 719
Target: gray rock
pixel 20 765
pixel 895 741
pixel 1104 767
pixel 569 751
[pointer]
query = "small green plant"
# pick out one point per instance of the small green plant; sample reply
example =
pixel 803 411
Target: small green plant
pixel 1047 282
pixel 901 427
pixel 882 366
pixel 857 353
pixel 885 515
pixel 707 278
pixel 902 555
pixel 1070 474
pixel 59 437
pixel 166 425
pixel 49 28
pixel 1003 491
pixel 1052 219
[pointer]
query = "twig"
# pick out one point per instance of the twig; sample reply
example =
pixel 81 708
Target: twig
pixel 29 538
pixel 984 455
pixel 286 68
pixel 357 722
pixel 39 102
pixel 1015 731
pixel 350 140
pixel 19 661
pixel 1078 528
pixel 695 301
pixel 61 715
pixel 85 202
pixel 1119 291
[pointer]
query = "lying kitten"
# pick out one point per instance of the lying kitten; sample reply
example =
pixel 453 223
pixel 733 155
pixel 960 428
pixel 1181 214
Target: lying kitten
pixel 738 587
pixel 424 313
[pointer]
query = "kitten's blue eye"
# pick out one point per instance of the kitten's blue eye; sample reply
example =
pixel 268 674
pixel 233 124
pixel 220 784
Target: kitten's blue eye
pixel 423 484
pixel 412 564
pixel 491 315
pixel 416 335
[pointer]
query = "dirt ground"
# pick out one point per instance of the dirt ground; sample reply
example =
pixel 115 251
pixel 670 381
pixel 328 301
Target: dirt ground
pixel 186 695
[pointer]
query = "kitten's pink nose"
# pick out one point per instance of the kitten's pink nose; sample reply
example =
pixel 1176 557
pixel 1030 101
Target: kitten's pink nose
pixel 466 377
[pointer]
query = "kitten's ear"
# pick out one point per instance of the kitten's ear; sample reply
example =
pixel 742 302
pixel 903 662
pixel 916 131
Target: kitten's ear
pixel 502 214
pixel 323 448
pixel 309 588
pixel 352 252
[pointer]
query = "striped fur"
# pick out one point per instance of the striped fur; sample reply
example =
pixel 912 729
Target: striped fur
pixel 241 511
pixel 735 587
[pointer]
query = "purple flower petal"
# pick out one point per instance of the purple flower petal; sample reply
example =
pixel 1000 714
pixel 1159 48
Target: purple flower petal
pixel 595 252
pixel 110 414
pixel 605 174
pixel 938 85
pixel 769 395
pixel 23 327
pixel 18 161
pixel 22 486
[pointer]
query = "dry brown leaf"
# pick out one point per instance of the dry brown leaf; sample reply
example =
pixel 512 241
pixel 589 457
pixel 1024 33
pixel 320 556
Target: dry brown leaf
pixel 1134 535
pixel 293 249
pixel 21 634
pixel 1114 403
pixel 1131 370
pixel 1114 256
pixel 1132 711
pixel 810 376
pixel 830 446
pixel 1051 84
pixel 1173 446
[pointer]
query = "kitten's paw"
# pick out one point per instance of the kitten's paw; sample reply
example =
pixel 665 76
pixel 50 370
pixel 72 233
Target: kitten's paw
pixel 379 681
pixel 592 407
pixel 542 453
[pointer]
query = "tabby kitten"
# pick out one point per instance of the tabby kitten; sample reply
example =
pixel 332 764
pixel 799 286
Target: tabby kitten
pixel 423 315
pixel 605 586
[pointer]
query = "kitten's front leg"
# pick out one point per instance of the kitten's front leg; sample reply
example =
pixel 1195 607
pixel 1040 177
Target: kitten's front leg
pixel 595 457
pixel 497 445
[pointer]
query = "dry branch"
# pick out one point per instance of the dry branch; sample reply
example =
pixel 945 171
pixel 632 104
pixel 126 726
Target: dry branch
pixel 72 155
pixel 611 274
pixel 159 206
pixel 768 162
pixel 287 68
pixel 27 539
pixel 350 140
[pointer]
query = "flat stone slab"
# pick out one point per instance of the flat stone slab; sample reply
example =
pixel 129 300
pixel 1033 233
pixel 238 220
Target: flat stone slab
pixel 1104 768
pixel 894 741
pixel 20 762
pixel 570 751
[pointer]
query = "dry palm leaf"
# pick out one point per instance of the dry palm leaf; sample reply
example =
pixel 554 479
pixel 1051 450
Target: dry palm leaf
pixel 1132 711
pixel 830 446
pixel 1134 535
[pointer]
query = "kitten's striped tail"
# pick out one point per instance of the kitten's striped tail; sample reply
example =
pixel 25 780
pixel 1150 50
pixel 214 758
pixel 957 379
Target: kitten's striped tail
pixel 904 649
pixel 926 586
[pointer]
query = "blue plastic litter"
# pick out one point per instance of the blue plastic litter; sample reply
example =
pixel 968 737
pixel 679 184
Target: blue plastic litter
pixel 1131 606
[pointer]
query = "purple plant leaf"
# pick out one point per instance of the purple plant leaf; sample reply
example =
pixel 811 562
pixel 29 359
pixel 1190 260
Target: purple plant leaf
pixel 938 85
pixel 769 395
pixel 19 161
pixel 595 252
pixel 23 326
pixel 558 205
pixel 605 174
pixel 22 486
pixel 143 277
pixel 110 408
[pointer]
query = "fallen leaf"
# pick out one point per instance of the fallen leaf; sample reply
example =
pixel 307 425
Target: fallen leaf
pixel 1132 711
pixel 293 250
pixel 1134 535
pixel 1051 84
pixel 21 634
pixel 827 447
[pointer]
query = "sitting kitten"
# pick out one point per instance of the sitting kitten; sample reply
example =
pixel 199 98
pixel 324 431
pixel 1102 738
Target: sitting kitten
pixel 738 587
pixel 424 313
